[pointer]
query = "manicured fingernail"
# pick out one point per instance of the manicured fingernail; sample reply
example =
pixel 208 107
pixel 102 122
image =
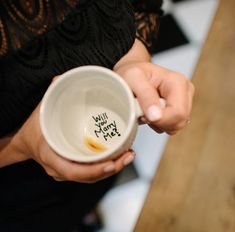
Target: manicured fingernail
pixel 109 168
pixel 154 113
pixel 128 159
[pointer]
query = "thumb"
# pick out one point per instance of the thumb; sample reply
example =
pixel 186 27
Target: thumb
pixel 55 78
pixel 146 94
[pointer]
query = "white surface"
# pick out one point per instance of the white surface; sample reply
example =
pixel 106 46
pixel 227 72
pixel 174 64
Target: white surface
pixel 167 6
pixel 149 147
pixel 195 18
pixel 121 206
pixel 182 59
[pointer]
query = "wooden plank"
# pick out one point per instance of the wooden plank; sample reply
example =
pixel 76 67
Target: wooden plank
pixel 194 187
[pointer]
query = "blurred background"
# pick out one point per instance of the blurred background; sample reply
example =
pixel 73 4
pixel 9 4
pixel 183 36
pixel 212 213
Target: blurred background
pixel 183 30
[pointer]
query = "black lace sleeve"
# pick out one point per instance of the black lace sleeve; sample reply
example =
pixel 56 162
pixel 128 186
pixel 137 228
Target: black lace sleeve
pixel 40 39
pixel 147 18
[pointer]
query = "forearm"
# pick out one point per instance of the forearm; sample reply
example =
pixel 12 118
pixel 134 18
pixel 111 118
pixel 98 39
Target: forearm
pixel 138 53
pixel 4 142
pixel 9 154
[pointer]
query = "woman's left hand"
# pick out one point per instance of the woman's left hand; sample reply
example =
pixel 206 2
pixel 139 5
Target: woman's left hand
pixel 149 83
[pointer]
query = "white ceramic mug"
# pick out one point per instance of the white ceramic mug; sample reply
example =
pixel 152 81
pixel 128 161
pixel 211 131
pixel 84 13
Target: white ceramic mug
pixel 89 114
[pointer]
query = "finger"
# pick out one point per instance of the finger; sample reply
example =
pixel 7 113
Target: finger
pixel 188 108
pixel 124 160
pixel 50 171
pixel 173 132
pixel 74 171
pixel 55 78
pixel 58 179
pixel 145 92
pixel 176 111
pixel 187 120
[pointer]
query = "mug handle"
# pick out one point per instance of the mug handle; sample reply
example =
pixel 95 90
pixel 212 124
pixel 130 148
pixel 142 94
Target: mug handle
pixel 139 111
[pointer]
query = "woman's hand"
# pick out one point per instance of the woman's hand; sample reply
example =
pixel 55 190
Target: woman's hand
pixel 29 143
pixel 149 82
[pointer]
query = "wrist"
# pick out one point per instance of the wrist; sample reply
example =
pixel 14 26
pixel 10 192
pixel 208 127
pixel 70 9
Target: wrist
pixel 137 54
pixel 10 155
pixel 29 136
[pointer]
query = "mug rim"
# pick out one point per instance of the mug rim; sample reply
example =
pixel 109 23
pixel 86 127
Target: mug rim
pixel 63 79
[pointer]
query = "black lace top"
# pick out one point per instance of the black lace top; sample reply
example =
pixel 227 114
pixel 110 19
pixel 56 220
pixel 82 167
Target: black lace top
pixel 40 39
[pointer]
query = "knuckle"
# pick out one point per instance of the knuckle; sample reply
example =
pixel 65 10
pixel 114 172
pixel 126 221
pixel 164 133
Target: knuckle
pixel 180 115
pixel 172 132
pixel 73 175
pixel 178 79
pixel 70 176
pixel 179 127
pixel 179 76
pixel 90 180
pixel 133 72
pixel 94 176
pixel 42 154
pixel 57 179
pixel 49 172
pixel 55 78
pixel 43 158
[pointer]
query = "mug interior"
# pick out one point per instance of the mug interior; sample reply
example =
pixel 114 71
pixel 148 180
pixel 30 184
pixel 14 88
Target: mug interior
pixel 88 113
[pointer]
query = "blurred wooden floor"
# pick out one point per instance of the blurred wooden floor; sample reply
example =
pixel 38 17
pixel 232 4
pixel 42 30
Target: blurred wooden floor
pixel 194 187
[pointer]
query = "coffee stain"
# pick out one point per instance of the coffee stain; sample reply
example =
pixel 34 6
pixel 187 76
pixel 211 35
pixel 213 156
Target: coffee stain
pixel 94 145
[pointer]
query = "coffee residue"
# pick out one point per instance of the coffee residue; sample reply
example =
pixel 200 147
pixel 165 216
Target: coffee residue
pixel 94 145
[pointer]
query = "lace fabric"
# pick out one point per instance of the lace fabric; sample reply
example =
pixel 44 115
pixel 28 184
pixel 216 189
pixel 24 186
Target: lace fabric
pixel 40 39
pixel 147 20
pixel 147 26
pixel 23 20
pixel 92 33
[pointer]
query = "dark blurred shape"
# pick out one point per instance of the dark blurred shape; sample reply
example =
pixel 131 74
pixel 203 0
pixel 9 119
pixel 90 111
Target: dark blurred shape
pixel 170 35
pixel 180 0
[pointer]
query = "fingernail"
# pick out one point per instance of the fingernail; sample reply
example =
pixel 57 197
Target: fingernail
pixel 109 168
pixel 128 159
pixel 154 113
